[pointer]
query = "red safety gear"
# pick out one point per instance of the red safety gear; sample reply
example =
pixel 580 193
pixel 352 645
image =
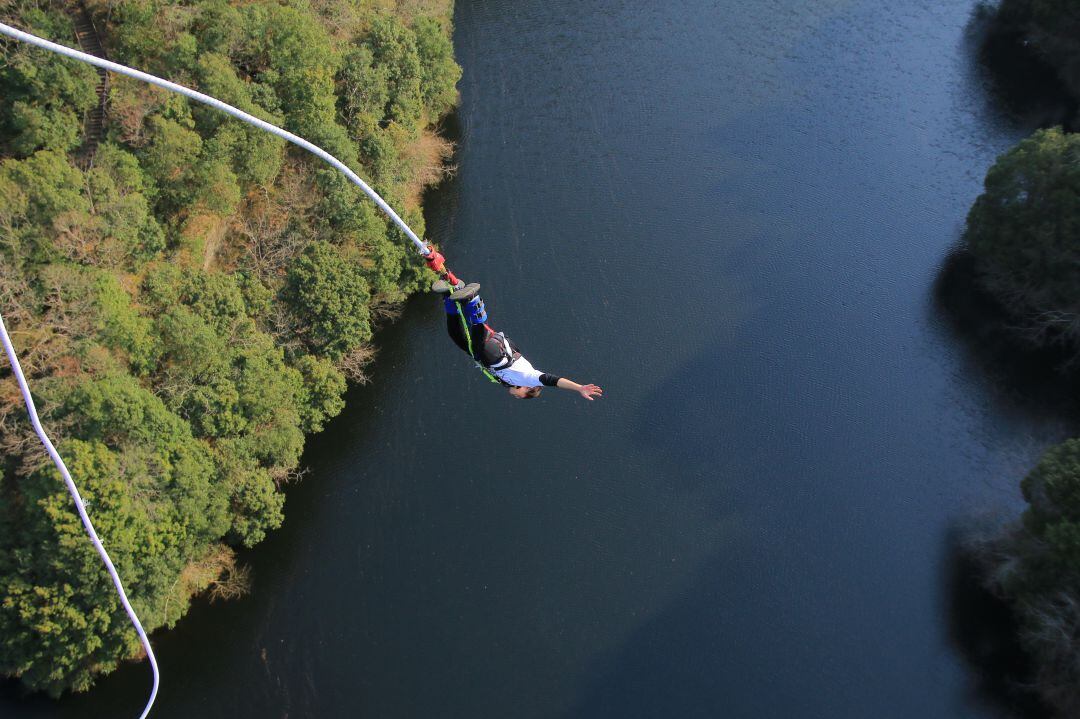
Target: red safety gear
pixel 435 261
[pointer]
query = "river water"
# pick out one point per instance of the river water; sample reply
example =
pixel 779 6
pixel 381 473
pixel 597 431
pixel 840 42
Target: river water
pixel 734 217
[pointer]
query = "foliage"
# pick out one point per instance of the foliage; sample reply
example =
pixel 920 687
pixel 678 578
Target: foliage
pixel 190 304
pixel 1053 28
pixel 439 74
pixel 393 46
pixel 1035 566
pixel 1022 231
pixel 334 294
pixel 1052 490
pixel 44 97
pixel 322 390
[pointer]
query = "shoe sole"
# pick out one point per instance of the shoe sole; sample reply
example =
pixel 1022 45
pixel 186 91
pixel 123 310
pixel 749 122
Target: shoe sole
pixel 466 293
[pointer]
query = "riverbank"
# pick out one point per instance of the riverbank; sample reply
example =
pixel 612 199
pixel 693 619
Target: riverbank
pixel 1020 242
pixel 189 295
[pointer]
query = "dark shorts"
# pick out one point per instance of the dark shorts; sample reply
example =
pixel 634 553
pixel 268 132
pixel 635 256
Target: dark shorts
pixel 487 349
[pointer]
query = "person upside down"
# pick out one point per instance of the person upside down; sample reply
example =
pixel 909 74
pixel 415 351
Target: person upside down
pixel 497 355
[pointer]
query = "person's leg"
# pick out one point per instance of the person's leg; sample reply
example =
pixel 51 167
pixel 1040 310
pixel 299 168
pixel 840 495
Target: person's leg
pixel 478 335
pixel 465 313
pixel 456 328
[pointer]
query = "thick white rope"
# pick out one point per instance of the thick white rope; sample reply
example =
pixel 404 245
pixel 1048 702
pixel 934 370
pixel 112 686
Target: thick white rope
pixel 226 108
pixel 74 491
pixel 14 360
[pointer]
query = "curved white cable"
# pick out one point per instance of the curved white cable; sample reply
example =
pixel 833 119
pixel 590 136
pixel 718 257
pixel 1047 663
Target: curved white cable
pixel 226 108
pixel 74 491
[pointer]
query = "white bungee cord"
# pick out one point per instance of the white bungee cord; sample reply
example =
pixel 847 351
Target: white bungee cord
pixel 226 108
pixel 13 359
pixel 74 492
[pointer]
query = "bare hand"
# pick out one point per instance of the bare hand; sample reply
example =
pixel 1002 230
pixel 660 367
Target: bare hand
pixel 589 391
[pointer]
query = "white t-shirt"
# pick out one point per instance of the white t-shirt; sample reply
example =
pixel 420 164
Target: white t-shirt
pixel 520 373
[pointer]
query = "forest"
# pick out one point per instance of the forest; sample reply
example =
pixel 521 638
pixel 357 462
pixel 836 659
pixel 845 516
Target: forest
pixel 190 297
pixel 1022 233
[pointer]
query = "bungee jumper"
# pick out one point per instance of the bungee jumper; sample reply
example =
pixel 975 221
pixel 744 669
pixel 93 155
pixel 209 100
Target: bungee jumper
pixel 497 356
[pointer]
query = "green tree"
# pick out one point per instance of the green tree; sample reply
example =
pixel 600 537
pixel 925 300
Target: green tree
pixel 60 621
pixel 393 47
pixel 294 54
pixel 439 73
pixel 1052 490
pixel 34 127
pixel 44 95
pixel 1036 566
pixel 255 504
pixel 171 158
pixel 332 295
pixel 48 184
pixel 144 38
pixel 1023 233
pixel 40 191
pixel 321 397
pixel 121 196
pixel 121 327
pixel 255 156
pixel 364 91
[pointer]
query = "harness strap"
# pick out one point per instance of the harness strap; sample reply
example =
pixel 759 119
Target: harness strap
pixel 508 352
pixel 468 343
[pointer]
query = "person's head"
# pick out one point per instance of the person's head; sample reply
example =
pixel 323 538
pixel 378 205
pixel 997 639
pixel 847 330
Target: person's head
pixel 524 392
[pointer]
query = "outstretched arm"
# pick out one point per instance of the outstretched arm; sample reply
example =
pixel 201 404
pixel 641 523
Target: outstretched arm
pixel 588 391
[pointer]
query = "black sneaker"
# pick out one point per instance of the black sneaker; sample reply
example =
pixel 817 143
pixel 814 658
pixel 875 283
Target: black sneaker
pixel 441 287
pixel 466 293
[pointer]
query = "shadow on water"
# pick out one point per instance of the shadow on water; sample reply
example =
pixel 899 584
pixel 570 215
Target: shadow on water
pixel 984 631
pixel 1019 372
pixel 1029 92
pixel 642 678
pixel 12 691
pixel 440 200
pixel 1016 80
pixel 981 626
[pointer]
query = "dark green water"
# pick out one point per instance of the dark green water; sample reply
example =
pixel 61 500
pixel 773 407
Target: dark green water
pixel 733 216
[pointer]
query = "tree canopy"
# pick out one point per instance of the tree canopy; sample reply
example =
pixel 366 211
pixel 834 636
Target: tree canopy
pixel 189 304
pixel 1023 234
pixel 1023 231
